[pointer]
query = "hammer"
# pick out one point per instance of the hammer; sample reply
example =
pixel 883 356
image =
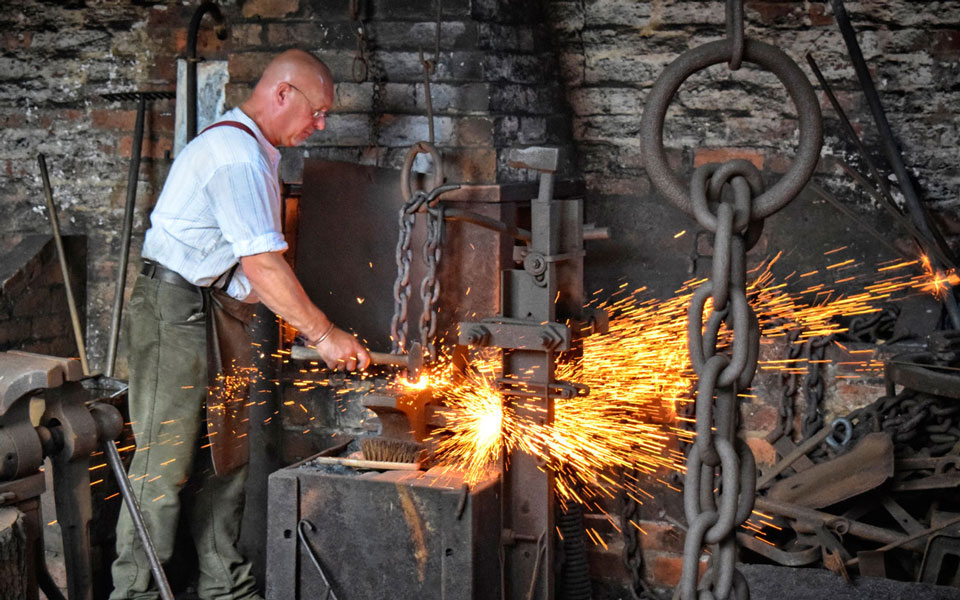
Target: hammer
pixel 412 360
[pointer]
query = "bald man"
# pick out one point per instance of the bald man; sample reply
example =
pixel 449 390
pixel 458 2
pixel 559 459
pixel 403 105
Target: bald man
pixel 215 237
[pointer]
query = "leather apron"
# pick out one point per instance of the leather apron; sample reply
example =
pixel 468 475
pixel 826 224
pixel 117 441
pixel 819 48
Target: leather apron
pixel 230 368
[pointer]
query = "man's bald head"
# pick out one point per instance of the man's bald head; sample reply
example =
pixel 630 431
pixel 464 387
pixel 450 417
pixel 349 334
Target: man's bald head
pixel 297 67
pixel 294 87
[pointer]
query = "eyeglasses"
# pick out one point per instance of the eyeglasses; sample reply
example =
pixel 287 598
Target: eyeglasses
pixel 318 113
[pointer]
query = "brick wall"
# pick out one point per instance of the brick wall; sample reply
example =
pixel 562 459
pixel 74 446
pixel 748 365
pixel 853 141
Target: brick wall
pixel 34 313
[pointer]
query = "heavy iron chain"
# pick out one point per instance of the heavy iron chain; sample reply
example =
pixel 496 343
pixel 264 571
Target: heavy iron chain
pixel 430 284
pixel 419 201
pixel 720 479
pixel 721 474
pixel 788 388
pixel 814 349
pixel 404 255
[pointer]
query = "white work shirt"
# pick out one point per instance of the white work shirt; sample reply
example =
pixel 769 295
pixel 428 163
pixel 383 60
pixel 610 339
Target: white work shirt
pixel 220 202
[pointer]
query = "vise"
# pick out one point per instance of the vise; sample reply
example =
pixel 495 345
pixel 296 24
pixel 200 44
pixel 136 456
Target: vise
pixel 47 412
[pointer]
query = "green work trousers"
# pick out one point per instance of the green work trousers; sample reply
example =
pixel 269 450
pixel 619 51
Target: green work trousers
pixel 166 342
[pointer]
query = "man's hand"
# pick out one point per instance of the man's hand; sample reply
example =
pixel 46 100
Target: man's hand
pixel 342 351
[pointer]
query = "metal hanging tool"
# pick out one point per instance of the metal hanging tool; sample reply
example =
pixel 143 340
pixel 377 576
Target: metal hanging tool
pixel 718 457
pixel 64 270
pixel 358 67
pixel 128 209
pixel 192 60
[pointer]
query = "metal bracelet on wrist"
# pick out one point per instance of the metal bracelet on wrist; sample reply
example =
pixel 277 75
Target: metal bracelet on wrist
pixel 320 339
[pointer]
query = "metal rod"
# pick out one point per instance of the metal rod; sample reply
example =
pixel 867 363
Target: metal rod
pixel 888 144
pixel 932 246
pixel 817 190
pixel 132 176
pixel 55 226
pixel 459 214
pixel 808 445
pixel 884 197
pixel 808 518
pixel 912 537
pixel 923 244
pixel 113 457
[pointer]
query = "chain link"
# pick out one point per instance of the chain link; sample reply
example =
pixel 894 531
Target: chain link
pixel 419 201
pixel 404 255
pixel 719 486
pixel 720 477
pixel 815 349
pixel 788 388
pixel 430 284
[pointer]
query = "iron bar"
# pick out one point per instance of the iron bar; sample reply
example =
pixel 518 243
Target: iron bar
pixel 808 518
pixel 116 465
pixel 923 244
pixel 467 216
pixel 915 207
pixel 132 176
pixel 916 536
pixel 801 450
pixel 835 202
pixel 888 144
pixel 55 227
pixel 884 197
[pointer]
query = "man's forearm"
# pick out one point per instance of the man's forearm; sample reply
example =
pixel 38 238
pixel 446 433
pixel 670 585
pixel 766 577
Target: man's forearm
pixel 275 283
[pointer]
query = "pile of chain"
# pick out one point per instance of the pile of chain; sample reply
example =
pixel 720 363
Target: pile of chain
pixel 812 352
pixel 918 423
pixel 729 200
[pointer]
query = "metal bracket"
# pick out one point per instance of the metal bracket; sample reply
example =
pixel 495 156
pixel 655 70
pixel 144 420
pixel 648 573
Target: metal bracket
pixel 557 389
pixel 516 334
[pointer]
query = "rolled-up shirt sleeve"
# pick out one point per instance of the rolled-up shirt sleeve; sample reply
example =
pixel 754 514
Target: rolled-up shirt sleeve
pixel 246 205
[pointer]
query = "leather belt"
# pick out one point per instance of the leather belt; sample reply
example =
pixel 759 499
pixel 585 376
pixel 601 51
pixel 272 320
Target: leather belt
pixel 161 273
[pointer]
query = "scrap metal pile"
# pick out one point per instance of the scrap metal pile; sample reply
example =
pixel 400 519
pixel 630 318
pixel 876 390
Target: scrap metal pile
pixel 882 498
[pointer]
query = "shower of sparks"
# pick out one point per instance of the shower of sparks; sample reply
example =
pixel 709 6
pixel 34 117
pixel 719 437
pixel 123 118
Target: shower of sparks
pixel 474 420
pixel 938 282
pixel 638 374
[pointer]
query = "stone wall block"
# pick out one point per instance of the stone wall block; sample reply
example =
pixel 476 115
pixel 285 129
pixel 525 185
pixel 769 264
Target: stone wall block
pixel 246 35
pixel 411 35
pixel 609 13
pixel 457 98
pixel 473 131
pixel 346 130
pixel 416 10
pixel 515 98
pixel 507 38
pixel 309 34
pixel 516 68
pixel 405 130
pixel 470 165
pixel 353 97
pixel 269 9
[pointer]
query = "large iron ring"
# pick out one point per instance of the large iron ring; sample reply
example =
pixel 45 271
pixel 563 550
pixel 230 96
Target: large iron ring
pixel 701 57
pixel 420 148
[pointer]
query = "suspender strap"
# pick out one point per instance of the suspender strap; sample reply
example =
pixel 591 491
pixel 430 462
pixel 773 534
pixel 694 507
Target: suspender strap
pixel 236 124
